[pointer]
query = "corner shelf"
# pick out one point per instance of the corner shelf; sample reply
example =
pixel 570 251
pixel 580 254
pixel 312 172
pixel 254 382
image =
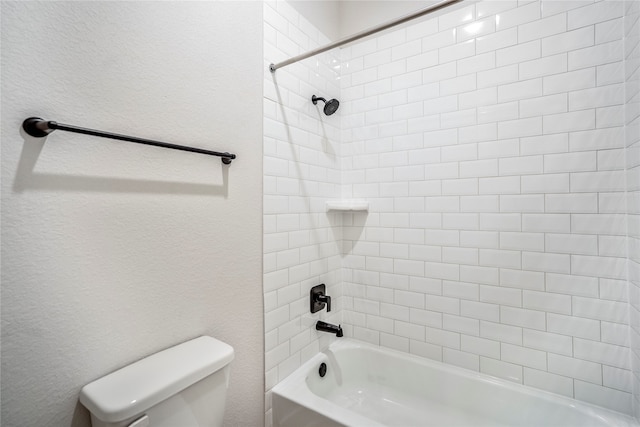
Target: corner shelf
pixel 347 205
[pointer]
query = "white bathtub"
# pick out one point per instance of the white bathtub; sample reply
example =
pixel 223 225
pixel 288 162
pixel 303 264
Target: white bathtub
pixel 370 386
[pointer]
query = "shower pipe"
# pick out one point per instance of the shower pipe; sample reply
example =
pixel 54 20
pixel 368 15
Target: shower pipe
pixel 365 33
pixel 37 127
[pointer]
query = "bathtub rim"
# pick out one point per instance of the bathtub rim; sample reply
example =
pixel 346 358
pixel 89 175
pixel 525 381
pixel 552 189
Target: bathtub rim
pixel 294 388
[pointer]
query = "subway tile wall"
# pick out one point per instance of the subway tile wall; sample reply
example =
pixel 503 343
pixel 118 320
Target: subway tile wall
pixel 301 171
pixel 632 138
pixel 490 142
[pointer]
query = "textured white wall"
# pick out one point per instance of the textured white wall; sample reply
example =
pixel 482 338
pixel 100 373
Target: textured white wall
pixel 112 251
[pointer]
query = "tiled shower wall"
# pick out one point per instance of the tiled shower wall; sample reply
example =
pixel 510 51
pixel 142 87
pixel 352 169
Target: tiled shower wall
pixel 632 133
pixel 490 143
pixel 301 171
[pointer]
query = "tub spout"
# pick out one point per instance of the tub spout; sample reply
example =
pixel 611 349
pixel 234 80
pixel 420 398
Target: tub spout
pixel 328 327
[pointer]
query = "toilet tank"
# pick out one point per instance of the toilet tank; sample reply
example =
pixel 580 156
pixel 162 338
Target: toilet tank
pixel 185 385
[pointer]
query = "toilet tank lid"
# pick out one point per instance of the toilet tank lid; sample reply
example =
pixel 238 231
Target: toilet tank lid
pixel 147 382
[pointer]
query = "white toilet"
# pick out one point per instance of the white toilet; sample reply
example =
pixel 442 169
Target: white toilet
pixel 182 386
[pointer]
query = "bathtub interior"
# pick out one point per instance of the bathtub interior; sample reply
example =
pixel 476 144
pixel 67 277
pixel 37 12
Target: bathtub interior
pixel 395 389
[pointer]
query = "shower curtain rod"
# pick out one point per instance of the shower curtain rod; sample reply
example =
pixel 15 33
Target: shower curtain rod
pixel 365 33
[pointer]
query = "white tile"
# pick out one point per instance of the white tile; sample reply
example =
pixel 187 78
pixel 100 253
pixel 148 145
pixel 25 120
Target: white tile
pixel 519 53
pixel 500 258
pixel 514 316
pixel 550 382
pixel 478 98
pixel 518 16
pixel 492 7
pixel 501 185
pixel 458 85
pixel 499 295
pixel 480 346
pixel 439 72
pixel 404 50
pixel 478 62
pixel 498 76
pixel 609 31
pixel 612 224
pixel 569 122
pixel 545 144
pixel 520 90
pixel 553 7
pixel 497 149
pixel 603 396
pixel 523 356
pixel 422 61
pixel 592 308
pixel 522 241
pixel 542 28
pixel 615 333
pixel 430 351
pixel 498 40
pixel 438 40
pixel 573 80
pixel 522 279
pixel 456 17
pixel 543 105
pixel 551 303
pixel 522 203
pixel 443 338
pixel 480 310
pixel 605 53
pixel 461 359
pixel 619 379
pixel 500 332
pixel 476 29
pixel 479 239
pixel 525 165
pixel 547 262
pixel 573 326
pixel 458 51
pixel 608 354
pixel 497 113
pixel 477 274
pixel 592 14
pixel 500 222
pixel 602 96
pixel 575 368
pixel 570 162
pixel 571 244
pixel 520 128
pixel 499 369
pixel 596 139
pixel 597 181
pixel 552 183
pixel 461 324
pixel 571 40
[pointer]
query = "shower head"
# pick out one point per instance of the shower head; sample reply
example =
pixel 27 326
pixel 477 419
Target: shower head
pixel 330 106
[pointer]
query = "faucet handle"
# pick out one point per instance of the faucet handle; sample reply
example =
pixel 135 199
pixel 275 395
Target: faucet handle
pixel 325 299
pixel 318 298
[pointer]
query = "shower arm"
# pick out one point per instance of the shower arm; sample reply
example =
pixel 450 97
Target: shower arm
pixel 365 33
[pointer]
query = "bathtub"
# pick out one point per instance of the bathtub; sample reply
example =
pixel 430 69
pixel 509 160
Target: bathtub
pixel 369 386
